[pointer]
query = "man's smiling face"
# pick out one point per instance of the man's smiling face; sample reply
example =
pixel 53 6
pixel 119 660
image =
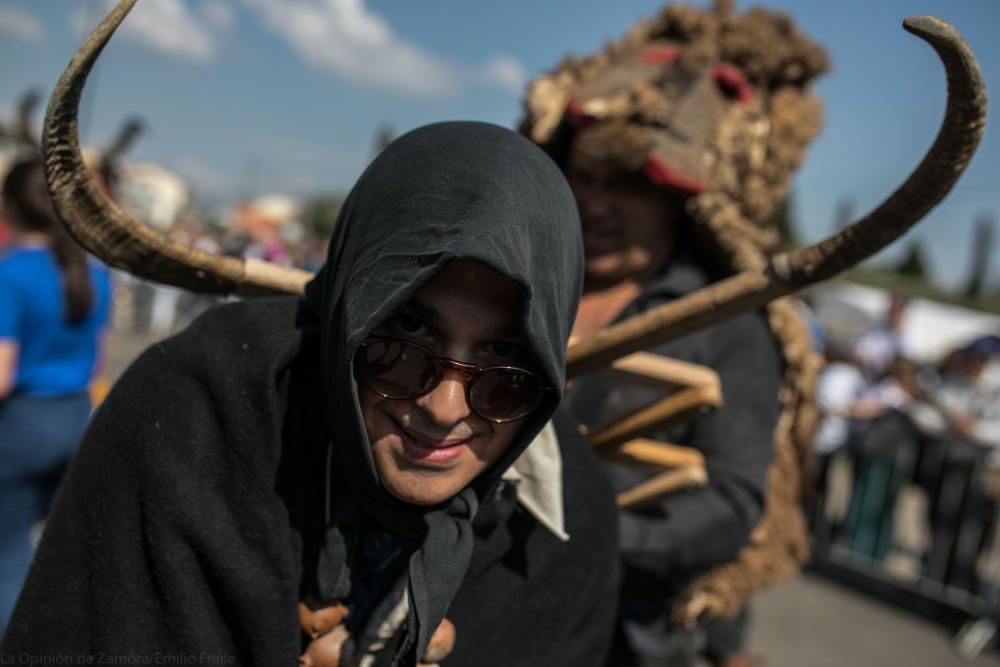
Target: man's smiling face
pixel 429 448
pixel 630 226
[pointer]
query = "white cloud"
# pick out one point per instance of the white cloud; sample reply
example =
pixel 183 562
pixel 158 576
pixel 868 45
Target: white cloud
pixel 344 37
pixel 218 14
pixel 170 27
pixel 21 25
pixel 503 72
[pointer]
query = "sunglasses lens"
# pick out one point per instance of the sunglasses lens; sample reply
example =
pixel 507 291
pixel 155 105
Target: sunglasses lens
pixel 503 394
pixel 395 369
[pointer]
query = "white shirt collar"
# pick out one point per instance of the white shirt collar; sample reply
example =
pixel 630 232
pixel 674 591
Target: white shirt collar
pixel 537 478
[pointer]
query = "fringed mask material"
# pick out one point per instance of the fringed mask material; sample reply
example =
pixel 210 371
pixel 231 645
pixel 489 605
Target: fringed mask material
pixel 698 101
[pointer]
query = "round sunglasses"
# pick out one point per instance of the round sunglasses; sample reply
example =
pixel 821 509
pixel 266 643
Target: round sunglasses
pixel 401 370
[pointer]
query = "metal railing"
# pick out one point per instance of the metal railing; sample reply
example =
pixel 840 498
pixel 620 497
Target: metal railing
pixel 912 519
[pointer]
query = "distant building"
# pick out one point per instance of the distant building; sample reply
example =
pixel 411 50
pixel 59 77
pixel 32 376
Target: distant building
pixel 151 193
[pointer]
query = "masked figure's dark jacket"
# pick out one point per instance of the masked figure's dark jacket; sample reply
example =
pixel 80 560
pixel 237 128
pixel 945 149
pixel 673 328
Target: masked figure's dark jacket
pixel 194 517
pixel 664 545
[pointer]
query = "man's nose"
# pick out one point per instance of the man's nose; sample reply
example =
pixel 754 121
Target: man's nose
pixel 446 405
pixel 593 203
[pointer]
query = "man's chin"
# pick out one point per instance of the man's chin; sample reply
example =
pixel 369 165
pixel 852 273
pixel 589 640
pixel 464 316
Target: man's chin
pixel 416 493
pixel 605 270
pixel 410 482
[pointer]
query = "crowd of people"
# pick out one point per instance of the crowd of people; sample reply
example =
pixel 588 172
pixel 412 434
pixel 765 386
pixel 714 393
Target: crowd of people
pixel 906 452
pixel 146 308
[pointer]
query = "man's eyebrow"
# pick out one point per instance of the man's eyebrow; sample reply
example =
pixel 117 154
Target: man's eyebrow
pixel 432 317
pixel 507 331
pixel 424 311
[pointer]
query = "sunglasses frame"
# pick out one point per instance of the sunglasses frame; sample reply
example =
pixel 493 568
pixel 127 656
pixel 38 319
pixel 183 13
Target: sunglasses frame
pixel 472 372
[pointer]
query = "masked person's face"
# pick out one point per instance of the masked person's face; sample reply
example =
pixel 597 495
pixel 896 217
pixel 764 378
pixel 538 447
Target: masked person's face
pixel 428 448
pixel 629 225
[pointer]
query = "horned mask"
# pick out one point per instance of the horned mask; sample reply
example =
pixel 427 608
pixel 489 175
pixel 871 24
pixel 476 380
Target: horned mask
pixel 106 231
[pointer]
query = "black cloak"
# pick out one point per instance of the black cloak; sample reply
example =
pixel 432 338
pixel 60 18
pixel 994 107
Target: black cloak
pixel 666 544
pixel 229 474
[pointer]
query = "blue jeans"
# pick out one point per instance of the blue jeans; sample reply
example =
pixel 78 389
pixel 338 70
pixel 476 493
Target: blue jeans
pixel 37 438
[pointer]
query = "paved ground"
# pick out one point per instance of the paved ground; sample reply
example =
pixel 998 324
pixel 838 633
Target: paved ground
pixel 122 349
pixel 808 622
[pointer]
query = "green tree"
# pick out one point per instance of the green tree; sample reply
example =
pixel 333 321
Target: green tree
pixel 844 214
pixel 383 137
pixel 914 263
pixel 982 249
pixel 783 222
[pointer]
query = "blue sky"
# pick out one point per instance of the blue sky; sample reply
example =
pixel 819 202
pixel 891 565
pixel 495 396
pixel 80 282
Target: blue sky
pixel 253 96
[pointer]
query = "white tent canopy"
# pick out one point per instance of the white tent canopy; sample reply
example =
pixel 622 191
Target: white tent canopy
pixel 930 329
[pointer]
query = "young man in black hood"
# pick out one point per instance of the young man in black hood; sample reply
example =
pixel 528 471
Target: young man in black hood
pixel 361 452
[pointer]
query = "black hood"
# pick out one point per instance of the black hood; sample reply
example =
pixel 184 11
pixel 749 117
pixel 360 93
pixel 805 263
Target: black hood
pixel 445 191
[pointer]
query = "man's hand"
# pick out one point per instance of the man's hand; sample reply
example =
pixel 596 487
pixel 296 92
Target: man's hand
pixel 330 645
pixel 333 649
pixel 441 644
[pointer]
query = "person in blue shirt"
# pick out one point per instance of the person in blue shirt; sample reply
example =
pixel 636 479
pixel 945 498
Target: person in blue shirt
pixel 53 310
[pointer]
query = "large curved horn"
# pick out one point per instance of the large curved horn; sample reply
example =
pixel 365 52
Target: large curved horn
pixel 961 130
pixel 103 229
